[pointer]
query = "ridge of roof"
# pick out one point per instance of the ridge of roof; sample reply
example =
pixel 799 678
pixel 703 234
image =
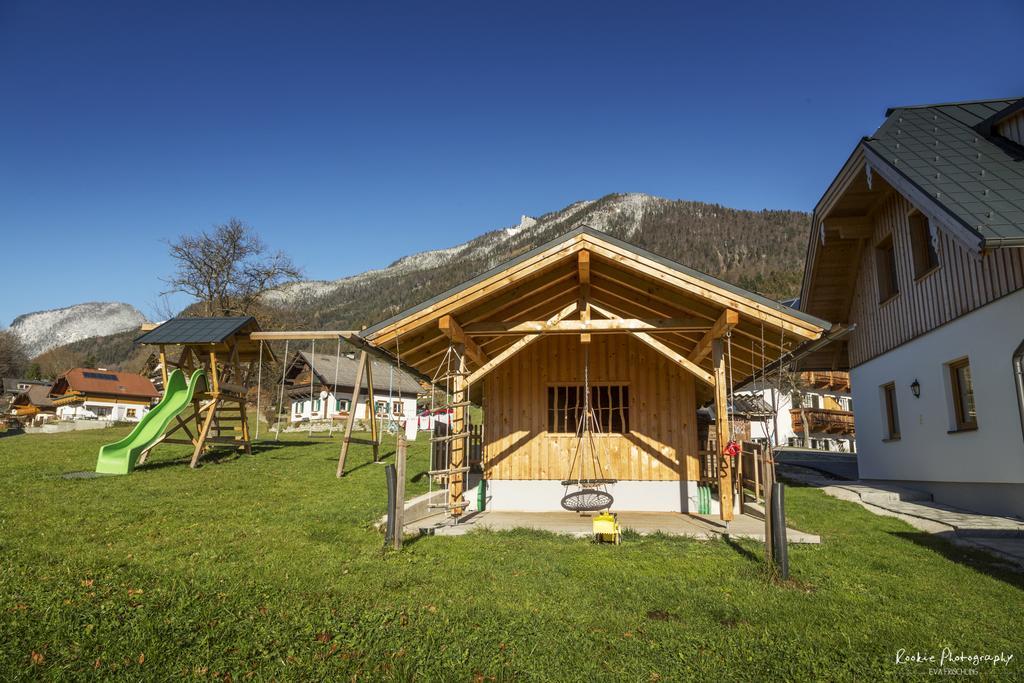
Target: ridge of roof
pixel 959 103
pixel 584 229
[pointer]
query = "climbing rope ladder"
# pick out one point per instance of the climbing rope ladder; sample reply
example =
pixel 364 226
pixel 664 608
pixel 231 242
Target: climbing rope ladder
pixel 450 372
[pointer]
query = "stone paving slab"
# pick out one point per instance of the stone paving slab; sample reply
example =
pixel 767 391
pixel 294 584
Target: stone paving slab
pixel 700 527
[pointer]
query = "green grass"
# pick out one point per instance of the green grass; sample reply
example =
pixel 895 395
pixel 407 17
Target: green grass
pixel 268 567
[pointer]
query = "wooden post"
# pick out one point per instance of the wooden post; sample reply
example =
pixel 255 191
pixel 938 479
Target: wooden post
pixel 204 431
pixel 767 480
pixel 399 491
pixel 457 479
pixel 725 498
pixel 163 365
pixel 356 389
pixel 371 404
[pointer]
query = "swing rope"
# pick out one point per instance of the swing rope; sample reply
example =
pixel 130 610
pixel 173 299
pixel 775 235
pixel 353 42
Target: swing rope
pixel 280 399
pixel 334 388
pixel 586 498
pixel 312 377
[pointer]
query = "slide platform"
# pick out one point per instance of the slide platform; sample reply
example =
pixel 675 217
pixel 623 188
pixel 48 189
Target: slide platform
pixel 120 457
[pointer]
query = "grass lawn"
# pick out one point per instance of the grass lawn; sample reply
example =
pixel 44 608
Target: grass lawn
pixel 269 567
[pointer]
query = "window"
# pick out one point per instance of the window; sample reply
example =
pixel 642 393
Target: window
pixel 380 408
pixel 963 395
pixel 610 404
pixel 130 412
pixel 892 415
pixel 926 258
pixel 885 270
pixel 396 408
pixel 316 405
pixel 341 405
pixel 105 376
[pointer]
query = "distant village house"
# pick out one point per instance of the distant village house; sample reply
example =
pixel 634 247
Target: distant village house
pixel 96 393
pixel 395 391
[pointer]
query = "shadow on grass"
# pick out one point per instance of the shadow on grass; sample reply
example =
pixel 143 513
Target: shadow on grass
pixel 745 553
pixel 975 558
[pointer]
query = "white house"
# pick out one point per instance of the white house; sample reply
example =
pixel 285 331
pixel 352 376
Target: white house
pixel 918 247
pixel 98 393
pixel 333 379
pixel 821 399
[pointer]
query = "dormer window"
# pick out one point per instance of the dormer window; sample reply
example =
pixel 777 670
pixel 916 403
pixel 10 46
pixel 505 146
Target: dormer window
pixel 926 256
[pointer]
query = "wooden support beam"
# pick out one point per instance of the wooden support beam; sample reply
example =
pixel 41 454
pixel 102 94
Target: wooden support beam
pixel 612 325
pixel 728 320
pixel 722 431
pixel 518 346
pixel 663 349
pixel 851 227
pixel 357 387
pixel 583 271
pixel 451 329
pixel 292 335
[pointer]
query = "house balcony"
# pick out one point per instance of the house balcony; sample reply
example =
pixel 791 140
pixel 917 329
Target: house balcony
pixel 823 421
pixel 838 381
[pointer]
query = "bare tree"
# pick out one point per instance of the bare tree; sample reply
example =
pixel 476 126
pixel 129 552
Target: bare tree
pixel 227 269
pixel 13 357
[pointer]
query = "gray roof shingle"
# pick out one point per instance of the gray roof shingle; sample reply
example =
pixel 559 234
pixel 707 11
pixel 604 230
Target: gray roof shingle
pixel 943 151
pixel 194 330
pixel 326 365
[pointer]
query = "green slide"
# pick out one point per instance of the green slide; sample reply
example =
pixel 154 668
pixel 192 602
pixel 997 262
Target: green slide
pixel 120 457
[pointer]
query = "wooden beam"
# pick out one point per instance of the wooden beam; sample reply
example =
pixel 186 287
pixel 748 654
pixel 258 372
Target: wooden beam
pixel 459 457
pixel 851 227
pixel 728 320
pixel 661 348
pixel 518 346
pixel 613 325
pixel 583 271
pixel 451 329
pixel 281 335
pixel 722 430
pixel 357 387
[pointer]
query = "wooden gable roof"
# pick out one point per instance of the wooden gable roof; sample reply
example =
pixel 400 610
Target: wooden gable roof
pixel 661 299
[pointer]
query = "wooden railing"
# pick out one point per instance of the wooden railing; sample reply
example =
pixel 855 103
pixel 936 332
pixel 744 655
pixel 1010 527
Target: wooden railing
pixel 822 420
pixel 836 381
pixel 747 467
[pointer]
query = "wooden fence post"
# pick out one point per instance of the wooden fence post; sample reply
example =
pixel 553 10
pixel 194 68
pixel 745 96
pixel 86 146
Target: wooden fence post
pixel 400 469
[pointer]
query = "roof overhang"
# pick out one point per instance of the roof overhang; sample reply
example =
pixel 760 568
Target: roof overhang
pixel 632 290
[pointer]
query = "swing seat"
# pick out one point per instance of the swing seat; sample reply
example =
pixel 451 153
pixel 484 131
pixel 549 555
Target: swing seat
pixel 587 500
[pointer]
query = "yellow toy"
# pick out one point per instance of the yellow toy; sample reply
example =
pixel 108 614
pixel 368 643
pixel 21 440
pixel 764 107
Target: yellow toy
pixel 606 528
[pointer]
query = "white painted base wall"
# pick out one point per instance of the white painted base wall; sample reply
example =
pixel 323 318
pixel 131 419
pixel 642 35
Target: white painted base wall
pixel 115 412
pixel 301 410
pixel 975 468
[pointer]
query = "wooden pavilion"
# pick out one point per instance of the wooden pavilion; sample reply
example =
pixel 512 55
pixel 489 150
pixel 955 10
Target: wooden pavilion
pixel 590 332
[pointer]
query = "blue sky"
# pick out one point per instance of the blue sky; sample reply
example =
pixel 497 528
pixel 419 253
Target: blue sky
pixel 350 135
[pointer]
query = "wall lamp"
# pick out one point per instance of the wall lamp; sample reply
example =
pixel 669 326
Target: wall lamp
pixel 915 388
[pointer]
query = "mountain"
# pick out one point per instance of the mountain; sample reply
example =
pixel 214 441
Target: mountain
pixel 44 330
pixel 759 250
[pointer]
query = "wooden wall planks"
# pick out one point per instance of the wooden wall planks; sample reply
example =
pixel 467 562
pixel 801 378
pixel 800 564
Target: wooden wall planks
pixel 663 411
pixel 963 282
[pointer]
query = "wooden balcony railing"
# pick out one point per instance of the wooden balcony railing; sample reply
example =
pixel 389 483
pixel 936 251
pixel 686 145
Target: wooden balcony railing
pixel 821 420
pixel 836 381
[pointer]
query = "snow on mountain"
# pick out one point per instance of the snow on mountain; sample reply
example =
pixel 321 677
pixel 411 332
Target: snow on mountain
pixel 628 208
pixel 44 330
